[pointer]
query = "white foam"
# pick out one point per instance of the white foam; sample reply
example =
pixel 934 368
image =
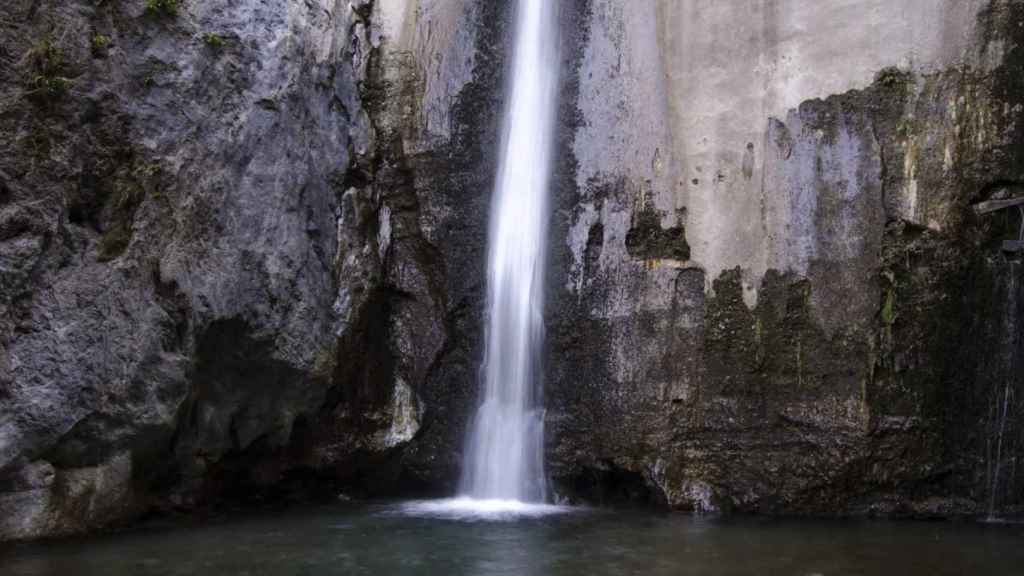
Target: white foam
pixel 471 509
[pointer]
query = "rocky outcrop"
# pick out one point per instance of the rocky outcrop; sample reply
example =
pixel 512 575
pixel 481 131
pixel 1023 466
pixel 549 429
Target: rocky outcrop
pixel 168 241
pixel 242 253
pixel 235 238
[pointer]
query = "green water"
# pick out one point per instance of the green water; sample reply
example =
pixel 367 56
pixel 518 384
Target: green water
pixel 384 539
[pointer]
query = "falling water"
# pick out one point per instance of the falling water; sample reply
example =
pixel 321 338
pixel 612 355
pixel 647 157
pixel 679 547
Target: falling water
pixel 505 446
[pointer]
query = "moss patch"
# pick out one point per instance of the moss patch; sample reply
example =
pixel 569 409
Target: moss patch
pixel 213 40
pixel 99 44
pixel 47 70
pixel 889 307
pixel 647 240
pixel 164 8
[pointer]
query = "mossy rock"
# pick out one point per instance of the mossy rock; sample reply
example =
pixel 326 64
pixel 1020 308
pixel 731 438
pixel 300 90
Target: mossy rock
pixel 165 8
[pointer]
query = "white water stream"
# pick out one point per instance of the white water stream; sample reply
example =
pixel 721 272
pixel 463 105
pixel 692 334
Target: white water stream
pixel 504 451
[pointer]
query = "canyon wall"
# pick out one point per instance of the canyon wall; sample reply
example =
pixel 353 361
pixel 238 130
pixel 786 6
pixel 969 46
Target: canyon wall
pixel 242 253
pixel 773 293
pixel 227 230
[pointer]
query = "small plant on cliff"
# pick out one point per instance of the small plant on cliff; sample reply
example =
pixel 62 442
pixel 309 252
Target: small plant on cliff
pixel 46 67
pixel 889 307
pixel 213 40
pixel 163 7
pixel 99 45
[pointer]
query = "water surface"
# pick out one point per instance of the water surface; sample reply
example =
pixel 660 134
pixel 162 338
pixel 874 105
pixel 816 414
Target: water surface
pixel 384 539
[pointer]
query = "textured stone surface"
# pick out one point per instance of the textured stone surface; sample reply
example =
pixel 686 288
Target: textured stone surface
pixel 215 266
pixel 178 234
pixel 817 347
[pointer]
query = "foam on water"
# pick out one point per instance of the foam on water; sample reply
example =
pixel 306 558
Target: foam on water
pixel 471 509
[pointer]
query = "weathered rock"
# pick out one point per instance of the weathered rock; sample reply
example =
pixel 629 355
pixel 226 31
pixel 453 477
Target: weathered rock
pixel 818 349
pixel 214 255
pixel 262 264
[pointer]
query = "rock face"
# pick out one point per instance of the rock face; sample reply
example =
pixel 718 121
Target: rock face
pixel 772 293
pixel 242 252
pixel 235 246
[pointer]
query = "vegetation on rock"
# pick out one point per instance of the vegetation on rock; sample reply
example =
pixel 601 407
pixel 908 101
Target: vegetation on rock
pixel 100 43
pixel 46 67
pixel 163 7
pixel 213 40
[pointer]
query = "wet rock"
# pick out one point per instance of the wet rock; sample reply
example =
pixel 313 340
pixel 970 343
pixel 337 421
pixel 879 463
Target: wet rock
pixel 815 350
pixel 201 246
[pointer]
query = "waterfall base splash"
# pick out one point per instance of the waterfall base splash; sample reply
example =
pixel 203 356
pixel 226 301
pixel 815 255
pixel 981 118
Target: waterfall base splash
pixel 471 509
pixel 505 455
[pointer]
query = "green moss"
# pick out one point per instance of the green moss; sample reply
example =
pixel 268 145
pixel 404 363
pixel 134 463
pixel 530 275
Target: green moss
pixel 150 175
pixel 45 56
pixel 46 67
pixel 213 40
pixel 888 317
pixel 889 307
pixel 100 43
pixel 51 88
pixel 168 8
pixel 147 170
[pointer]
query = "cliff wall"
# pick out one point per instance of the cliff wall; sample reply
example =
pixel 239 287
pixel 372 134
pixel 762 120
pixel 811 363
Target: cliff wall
pixel 242 253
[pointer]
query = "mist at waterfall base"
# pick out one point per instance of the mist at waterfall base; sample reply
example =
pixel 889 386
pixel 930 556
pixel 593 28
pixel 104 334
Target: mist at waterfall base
pixel 503 473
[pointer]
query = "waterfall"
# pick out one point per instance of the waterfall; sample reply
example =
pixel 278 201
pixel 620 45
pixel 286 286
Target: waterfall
pixel 504 454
